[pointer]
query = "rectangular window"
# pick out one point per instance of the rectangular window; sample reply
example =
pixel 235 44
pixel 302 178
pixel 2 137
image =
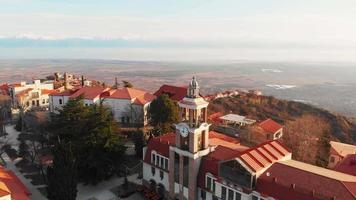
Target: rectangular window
pixel 60 101
pixel 176 167
pixel 161 174
pixel 208 183
pixel 332 159
pixel 47 100
pixel 153 170
pixel 237 196
pixel 43 101
pixel 162 162
pixel 153 158
pixel 231 194
pixel 157 160
pixel 213 185
pixel 166 164
pixel 223 193
pixel 203 194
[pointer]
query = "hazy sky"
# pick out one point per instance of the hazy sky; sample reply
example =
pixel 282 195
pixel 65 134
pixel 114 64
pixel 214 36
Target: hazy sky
pixel 179 29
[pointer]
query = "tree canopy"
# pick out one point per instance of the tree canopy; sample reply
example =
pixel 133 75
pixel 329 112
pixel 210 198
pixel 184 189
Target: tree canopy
pixel 93 133
pixel 62 175
pixel 163 113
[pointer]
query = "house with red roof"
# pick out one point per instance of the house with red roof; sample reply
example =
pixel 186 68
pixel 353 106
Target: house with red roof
pixel 91 95
pixel 128 105
pixel 338 152
pixel 196 163
pixel 31 95
pixel 176 93
pixel 271 129
pixel 11 187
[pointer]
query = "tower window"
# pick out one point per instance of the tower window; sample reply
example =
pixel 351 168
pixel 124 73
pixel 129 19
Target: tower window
pixel 223 192
pixel 161 174
pixel 153 171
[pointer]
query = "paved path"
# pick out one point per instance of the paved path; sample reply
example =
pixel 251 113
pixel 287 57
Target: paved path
pixel 102 190
pixel 12 138
pixel 35 194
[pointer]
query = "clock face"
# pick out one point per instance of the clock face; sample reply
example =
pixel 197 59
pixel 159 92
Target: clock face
pixel 184 131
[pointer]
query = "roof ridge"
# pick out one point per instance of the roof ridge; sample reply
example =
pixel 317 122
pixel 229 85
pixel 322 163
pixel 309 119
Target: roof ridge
pixel 318 174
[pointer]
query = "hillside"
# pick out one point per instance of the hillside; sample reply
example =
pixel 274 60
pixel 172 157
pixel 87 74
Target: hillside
pixel 304 124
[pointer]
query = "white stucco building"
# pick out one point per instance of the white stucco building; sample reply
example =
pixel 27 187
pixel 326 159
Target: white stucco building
pixel 31 95
pixel 128 105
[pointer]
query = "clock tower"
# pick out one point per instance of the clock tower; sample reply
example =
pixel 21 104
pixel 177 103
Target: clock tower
pixel 191 143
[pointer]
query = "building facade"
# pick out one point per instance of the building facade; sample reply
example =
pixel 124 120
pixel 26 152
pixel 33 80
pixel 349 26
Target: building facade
pixel 195 163
pixel 128 105
pixel 31 95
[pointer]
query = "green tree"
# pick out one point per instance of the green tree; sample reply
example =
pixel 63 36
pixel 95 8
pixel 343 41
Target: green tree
pixel 62 175
pixel 23 148
pixel 93 133
pixel 127 84
pixel 18 125
pixel 323 153
pixel 100 156
pixel 139 140
pixel 163 113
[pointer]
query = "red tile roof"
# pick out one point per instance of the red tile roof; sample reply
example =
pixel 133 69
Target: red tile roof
pixel 347 165
pixel 89 92
pixel 285 181
pixel 64 93
pixel 215 117
pixel 160 145
pixel 140 97
pixel 264 155
pixel 4 89
pixel 45 91
pixel 15 85
pixel 17 189
pixel 174 92
pixel 270 126
pixel 24 92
